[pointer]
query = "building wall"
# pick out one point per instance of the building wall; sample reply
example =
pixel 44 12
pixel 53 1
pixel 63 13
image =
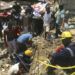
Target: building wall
pixel 68 4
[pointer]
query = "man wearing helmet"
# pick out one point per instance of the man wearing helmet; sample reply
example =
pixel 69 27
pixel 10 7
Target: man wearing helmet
pixel 64 56
pixel 27 57
pixel 23 64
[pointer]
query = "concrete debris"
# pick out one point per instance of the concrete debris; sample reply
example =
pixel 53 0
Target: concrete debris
pixel 60 72
pixel 71 26
pixel 43 49
pixel 3 70
pixel 3 53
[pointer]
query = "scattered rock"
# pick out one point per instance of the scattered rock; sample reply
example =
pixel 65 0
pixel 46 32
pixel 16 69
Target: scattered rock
pixel 3 53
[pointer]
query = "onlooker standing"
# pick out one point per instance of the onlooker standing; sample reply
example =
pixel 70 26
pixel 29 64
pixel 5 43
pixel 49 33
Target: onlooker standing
pixel 60 15
pixel 16 13
pixel 47 20
pixel 17 8
pixel 29 14
pixel 9 39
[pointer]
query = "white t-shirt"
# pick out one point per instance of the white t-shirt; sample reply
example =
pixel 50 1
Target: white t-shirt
pixel 47 19
pixel 13 69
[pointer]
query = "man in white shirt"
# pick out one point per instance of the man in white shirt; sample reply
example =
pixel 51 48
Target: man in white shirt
pixel 47 20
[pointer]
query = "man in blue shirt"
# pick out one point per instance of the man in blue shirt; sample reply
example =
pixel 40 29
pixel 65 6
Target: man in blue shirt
pixel 24 41
pixel 24 37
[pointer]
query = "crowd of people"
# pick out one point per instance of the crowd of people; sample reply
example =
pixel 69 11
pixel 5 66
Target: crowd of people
pixel 18 37
pixel 23 18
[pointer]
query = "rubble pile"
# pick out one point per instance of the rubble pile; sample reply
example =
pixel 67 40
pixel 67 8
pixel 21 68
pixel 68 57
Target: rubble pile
pixel 3 53
pixel 43 48
pixel 4 62
pixel 4 66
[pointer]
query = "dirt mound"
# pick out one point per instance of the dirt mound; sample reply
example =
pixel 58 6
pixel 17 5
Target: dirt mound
pixel 43 49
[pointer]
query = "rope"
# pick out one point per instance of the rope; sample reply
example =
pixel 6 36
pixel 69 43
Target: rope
pixel 57 67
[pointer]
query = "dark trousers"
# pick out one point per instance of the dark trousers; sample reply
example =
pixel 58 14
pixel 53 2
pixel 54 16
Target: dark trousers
pixel 57 30
pixel 21 48
pixel 37 26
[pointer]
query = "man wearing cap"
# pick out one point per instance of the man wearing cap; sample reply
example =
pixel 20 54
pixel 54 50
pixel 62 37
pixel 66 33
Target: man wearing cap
pixel 24 41
pixel 65 56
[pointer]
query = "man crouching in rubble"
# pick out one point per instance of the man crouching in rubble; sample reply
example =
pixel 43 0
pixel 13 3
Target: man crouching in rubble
pixel 23 66
pixel 64 55
pixel 24 41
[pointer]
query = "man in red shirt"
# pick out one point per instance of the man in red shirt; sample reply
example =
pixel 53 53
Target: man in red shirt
pixel 9 39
